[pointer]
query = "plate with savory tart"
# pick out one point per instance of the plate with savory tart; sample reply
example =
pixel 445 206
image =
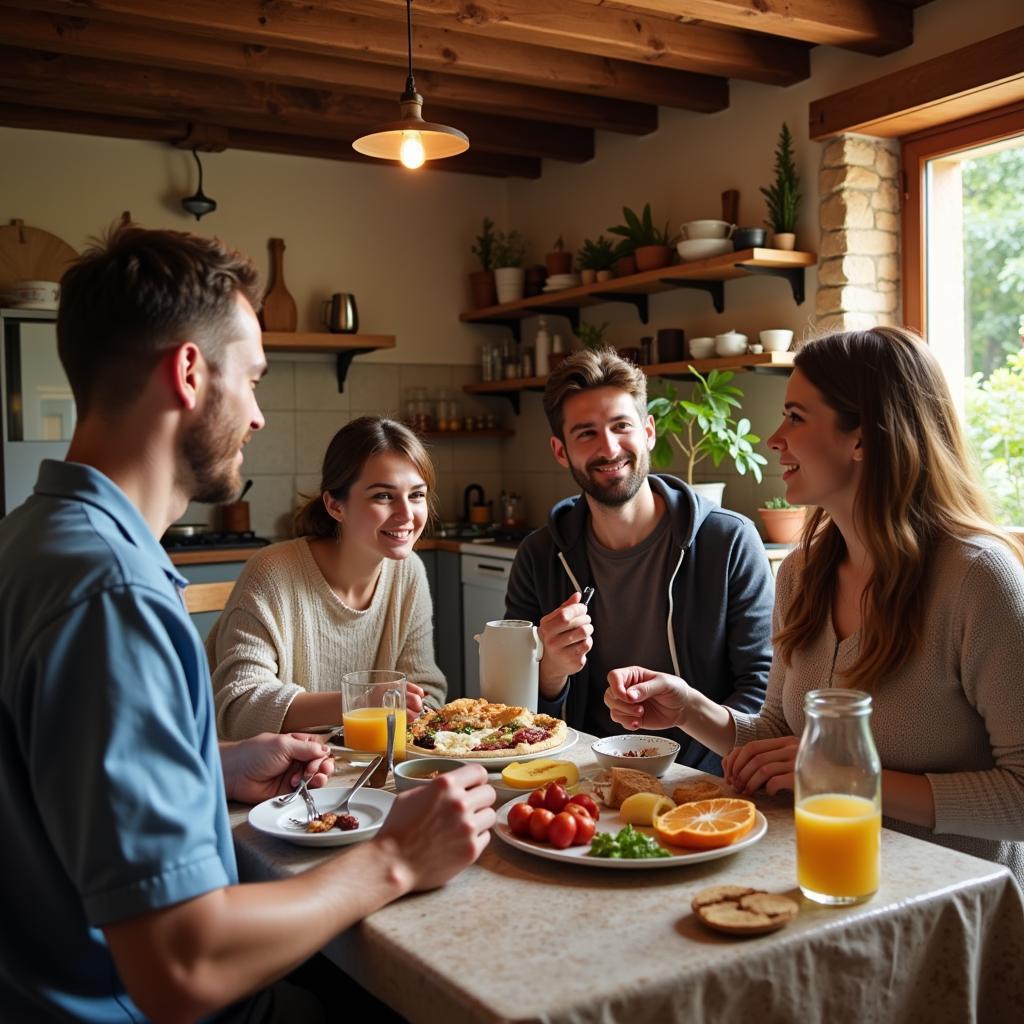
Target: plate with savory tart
pixel 494 735
pixel 369 808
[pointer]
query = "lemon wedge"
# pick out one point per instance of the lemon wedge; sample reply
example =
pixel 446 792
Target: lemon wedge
pixel 541 772
pixel 643 808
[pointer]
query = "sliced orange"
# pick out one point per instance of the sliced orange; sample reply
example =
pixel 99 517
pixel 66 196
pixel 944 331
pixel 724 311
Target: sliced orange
pixel 706 824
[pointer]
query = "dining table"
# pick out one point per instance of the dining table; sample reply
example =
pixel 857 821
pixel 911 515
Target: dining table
pixel 515 937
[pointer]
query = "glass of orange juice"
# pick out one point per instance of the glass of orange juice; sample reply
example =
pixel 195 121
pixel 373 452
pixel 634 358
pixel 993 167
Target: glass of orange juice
pixel 367 699
pixel 838 799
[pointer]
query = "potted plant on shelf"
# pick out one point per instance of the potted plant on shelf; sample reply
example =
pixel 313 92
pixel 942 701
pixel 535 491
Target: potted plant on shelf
pixel 592 336
pixel 782 521
pixel 482 281
pixel 783 196
pixel 625 261
pixel 508 253
pixel 701 427
pixel 559 260
pixel 595 260
pixel 648 245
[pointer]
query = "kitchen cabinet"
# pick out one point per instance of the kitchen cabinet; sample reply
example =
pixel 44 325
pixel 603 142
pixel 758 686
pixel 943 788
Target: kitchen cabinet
pixel 446 593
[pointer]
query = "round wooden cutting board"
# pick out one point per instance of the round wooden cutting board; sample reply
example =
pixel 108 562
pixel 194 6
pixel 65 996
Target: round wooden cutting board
pixel 31 254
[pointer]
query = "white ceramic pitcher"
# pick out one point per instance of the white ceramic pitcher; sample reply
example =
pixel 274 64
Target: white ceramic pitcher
pixel 510 652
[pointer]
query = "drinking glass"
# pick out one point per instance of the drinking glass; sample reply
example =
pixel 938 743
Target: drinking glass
pixel 367 698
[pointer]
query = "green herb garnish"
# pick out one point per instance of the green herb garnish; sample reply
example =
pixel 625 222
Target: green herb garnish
pixel 628 844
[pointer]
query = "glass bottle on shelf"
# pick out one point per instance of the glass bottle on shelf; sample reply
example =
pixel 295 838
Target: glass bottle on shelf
pixel 838 799
pixel 542 350
pixel 486 361
pixel 442 406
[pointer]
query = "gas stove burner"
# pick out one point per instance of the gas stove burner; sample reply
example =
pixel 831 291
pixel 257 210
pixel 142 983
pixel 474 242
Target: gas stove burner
pixel 211 539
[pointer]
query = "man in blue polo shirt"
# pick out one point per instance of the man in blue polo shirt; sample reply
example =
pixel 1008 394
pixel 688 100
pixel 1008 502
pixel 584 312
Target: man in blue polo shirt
pixel 117 873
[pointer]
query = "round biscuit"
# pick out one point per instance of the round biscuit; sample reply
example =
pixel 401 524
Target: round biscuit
pixel 718 893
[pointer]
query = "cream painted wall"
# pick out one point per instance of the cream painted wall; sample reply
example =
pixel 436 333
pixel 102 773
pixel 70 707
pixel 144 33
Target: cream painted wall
pixel 398 241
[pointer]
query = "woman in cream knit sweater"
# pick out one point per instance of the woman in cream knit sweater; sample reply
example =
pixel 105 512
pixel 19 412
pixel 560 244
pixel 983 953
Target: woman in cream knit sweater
pixel 347 594
pixel 902 587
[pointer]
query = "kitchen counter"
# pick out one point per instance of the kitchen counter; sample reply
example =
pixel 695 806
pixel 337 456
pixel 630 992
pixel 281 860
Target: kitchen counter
pixel 210 556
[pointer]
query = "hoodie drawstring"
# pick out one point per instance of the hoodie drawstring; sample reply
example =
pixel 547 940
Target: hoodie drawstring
pixel 671 632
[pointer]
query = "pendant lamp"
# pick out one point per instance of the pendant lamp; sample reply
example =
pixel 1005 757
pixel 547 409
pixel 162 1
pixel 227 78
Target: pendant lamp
pixel 410 139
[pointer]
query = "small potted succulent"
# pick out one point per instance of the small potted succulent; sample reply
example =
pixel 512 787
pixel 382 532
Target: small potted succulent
pixel 783 196
pixel 482 281
pixel 559 260
pixel 648 244
pixel 507 255
pixel 592 336
pixel 782 521
pixel 701 428
pixel 595 260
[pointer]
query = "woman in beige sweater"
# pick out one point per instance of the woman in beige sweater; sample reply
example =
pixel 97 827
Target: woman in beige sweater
pixel 347 594
pixel 901 586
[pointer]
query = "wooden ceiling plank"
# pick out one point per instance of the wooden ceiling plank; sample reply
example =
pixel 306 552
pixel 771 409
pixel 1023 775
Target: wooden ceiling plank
pixel 604 31
pixel 83 122
pixel 292 108
pixel 310 27
pixel 86 38
pixel 867 26
pixel 991 70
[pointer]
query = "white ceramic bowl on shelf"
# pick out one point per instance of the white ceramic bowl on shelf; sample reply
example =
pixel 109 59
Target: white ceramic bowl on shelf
pixel 702 248
pixel 694 229
pixel 776 340
pixel 730 343
pixel 702 348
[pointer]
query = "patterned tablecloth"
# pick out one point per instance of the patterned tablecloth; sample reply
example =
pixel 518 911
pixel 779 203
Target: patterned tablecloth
pixel 517 938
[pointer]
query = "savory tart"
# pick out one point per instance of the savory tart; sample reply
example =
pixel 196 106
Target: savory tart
pixel 477 728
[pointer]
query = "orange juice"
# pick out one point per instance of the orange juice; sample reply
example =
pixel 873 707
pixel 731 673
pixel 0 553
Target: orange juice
pixel 367 729
pixel 838 847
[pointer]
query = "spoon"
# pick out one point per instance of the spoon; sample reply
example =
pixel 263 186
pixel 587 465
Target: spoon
pixel 245 490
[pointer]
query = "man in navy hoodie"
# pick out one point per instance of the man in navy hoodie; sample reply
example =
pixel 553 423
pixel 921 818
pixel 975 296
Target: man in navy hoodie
pixel 681 584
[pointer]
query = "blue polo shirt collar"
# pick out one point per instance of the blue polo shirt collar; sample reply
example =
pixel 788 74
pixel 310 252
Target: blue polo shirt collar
pixel 79 482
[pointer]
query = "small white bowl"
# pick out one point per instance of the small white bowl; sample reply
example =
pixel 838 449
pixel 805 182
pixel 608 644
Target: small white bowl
pixel 613 752
pixel 731 343
pixel 702 348
pixel 35 294
pixel 695 229
pixel 702 248
pixel 421 771
pixel 776 340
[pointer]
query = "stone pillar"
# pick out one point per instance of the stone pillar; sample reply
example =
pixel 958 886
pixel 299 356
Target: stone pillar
pixel 859 266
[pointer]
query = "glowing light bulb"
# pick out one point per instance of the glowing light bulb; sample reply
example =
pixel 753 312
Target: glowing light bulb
pixel 411 153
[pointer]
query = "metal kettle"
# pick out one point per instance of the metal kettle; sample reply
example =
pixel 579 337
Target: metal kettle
pixel 479 512
pixel 340 315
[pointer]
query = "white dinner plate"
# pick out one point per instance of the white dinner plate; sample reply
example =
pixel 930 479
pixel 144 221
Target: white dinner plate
pixel 610 821
pixel 571 736
pixel 370 806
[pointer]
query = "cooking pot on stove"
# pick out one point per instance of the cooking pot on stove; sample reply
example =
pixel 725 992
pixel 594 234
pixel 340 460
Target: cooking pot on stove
pixel 480 511
pixel 185 529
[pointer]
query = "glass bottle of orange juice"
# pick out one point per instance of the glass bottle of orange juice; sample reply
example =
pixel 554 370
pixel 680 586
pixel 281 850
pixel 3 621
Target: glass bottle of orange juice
pixel 838 799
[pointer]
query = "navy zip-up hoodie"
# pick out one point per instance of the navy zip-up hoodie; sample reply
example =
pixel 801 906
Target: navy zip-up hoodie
pixel 720 602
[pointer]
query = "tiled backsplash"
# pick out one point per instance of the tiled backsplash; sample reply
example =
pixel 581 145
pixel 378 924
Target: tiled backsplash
pixel 303 410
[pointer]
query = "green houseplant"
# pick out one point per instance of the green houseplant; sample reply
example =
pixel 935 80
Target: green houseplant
pixel 782 522
pixel 701 426
pixel 783 196
pixel 648 244
pixel 595 259
pixel 592 336
pixel 481 281
pixel 507 254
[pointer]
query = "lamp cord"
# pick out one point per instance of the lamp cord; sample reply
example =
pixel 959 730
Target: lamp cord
pixel 410 82
pixel 195 156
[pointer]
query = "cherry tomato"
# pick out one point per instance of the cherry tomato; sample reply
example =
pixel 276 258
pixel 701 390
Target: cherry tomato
pixel 556 797
pixel 588 803
pixel 562 831
pixel 519 820
pixel 536 798
pixel 585 827
pixel 540 822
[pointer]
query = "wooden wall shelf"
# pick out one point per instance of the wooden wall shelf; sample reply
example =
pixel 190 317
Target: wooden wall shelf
pixel 706 275
pixel 345 346
pixel 765 362
pixel 459 435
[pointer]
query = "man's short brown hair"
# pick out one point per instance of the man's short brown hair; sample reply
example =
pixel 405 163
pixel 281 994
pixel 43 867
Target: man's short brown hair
pixel 138 293
pixel 586 370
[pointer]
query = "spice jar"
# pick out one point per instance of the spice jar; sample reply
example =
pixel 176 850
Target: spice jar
pixel 838 799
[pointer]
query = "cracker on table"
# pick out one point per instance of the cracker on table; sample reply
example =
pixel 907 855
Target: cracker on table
pixel 739 910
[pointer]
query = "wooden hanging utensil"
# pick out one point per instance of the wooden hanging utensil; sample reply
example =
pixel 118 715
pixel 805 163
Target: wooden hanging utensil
pixel 30 254
pixel 279 312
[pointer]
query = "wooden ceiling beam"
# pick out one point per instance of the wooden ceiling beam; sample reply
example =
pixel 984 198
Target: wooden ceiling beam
pixel 83 37
pixel 867 26
pixel 215 98
pixel 603 31
pixel 87 122
pixel 310 27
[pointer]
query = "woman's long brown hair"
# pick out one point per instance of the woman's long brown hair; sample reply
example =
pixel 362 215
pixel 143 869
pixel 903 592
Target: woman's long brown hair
pixel 918 488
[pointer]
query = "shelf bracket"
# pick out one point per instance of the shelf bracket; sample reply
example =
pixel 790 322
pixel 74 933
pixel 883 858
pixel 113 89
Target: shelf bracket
pixel 794 275
pixel 572 313
pixel 638 299
pixel 344 361
pixel 514 324
pixel 716 289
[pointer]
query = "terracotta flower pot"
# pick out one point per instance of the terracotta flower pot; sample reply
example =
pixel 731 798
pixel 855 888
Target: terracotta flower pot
pixel 558 263
pixel 784 240
pixel 624 266
pixel 652 257
pixel 588 276
pixel 482 284
pixel 605 275
pixel 782 525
